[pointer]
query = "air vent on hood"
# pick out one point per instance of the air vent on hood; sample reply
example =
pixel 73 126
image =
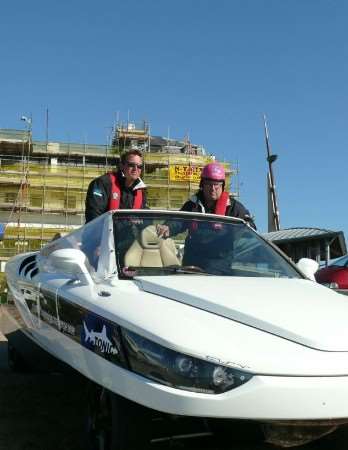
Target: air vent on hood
pixel 28 267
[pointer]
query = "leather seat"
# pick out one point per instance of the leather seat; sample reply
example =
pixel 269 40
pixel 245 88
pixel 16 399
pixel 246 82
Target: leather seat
pixel 149 250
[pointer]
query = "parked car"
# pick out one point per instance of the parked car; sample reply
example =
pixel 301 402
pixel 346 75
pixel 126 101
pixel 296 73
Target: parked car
pixel 335 275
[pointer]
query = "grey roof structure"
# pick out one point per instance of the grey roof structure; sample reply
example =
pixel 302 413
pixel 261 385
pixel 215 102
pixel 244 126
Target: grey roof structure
pixel 298 241
pixel 298 233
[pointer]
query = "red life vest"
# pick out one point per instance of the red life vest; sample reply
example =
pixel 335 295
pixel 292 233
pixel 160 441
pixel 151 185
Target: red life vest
pixel 221 204
pixel 115 197
pixel 220 208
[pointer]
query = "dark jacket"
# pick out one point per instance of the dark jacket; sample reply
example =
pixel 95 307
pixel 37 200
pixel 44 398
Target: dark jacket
pixel 233 209
pixel 208 256
pixel 99 192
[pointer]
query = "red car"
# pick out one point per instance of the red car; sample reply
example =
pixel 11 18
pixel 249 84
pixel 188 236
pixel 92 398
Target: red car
pixel 335 275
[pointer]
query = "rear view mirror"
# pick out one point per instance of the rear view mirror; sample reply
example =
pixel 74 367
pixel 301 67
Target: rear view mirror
pixel 308 267
pixel 71 261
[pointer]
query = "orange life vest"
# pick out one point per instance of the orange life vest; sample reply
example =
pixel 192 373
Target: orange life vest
pixel 115 197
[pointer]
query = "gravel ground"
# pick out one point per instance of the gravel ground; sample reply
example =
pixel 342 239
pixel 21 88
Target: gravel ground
pixel 45 412
pixel 39 411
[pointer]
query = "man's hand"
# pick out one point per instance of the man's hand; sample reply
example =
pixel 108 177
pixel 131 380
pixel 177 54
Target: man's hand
pixel 162 231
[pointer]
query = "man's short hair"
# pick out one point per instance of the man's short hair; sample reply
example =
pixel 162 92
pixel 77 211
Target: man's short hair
pixel 126 154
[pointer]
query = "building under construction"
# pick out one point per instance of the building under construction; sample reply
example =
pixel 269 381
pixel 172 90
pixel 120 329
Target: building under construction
pixel 43 184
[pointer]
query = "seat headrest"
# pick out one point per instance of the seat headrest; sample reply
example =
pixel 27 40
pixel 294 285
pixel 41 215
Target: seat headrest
pixel 149 238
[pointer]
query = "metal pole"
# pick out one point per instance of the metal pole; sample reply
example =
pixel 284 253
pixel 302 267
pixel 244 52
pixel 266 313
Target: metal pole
pixel 327 252
pixel 273 222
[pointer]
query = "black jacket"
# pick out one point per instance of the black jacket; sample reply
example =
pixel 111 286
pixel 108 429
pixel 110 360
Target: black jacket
pixel 99 192
pixel 233 209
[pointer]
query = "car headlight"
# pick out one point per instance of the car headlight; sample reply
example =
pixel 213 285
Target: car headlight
pixel 178 370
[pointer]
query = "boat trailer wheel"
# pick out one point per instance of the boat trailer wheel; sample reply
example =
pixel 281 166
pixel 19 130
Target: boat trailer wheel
pixel 15 361
pixel 115 423
pixel 99 420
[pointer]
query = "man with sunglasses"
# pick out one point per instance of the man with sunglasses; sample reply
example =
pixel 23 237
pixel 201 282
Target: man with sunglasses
pixel 123 189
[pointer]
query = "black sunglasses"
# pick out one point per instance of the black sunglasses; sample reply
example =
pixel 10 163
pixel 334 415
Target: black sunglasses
pixel 134 165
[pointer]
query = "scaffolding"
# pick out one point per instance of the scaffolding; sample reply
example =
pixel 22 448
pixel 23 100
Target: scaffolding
pixel 43 185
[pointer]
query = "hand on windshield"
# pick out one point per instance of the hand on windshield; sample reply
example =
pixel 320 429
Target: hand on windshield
pixel 162 231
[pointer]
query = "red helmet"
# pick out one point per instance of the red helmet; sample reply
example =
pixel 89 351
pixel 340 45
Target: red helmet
pixel 213 171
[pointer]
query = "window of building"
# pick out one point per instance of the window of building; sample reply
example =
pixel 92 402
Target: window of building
pixel 70 202
pixel 36 200
pixel 10 197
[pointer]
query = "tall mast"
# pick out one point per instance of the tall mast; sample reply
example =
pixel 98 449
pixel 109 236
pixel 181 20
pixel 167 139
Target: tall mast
pixel 273 211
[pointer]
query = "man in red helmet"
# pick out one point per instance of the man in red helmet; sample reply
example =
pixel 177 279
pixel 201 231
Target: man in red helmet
pixel 202 248
pixel 212 198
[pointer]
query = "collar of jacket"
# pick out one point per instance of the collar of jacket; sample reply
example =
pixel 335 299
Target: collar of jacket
pixel 138 184
pixel 198 199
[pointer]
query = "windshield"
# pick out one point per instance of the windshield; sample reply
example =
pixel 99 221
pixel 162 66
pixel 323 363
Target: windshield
pixel 160 244
pixel 95 240
pixel 341 262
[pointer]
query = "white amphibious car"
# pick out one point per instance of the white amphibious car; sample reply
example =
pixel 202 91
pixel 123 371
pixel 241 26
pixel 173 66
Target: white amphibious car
pixel 187 314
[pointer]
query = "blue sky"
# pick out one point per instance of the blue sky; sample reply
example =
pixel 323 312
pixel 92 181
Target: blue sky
pixel 207 68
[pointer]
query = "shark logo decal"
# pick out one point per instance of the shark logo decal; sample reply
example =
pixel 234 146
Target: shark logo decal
pixel 100 340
